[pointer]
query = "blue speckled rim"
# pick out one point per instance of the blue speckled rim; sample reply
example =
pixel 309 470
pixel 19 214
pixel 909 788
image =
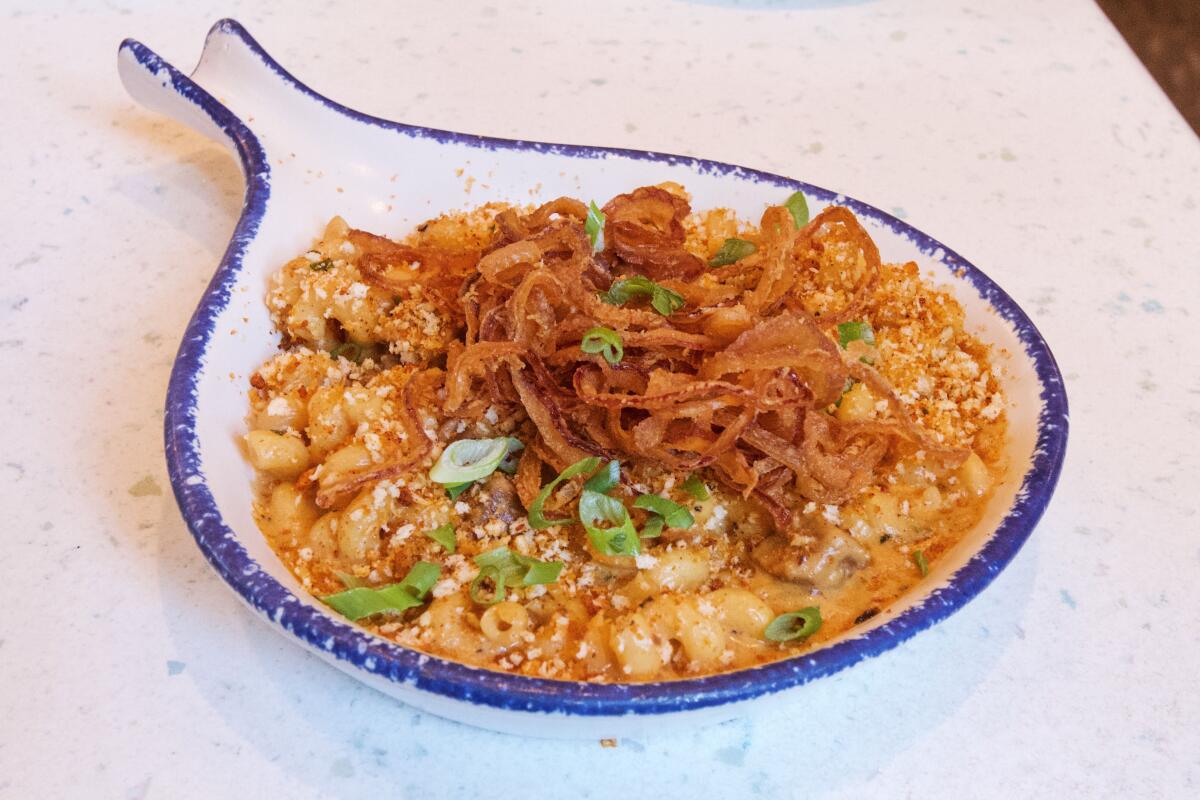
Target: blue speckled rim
pixel 499 690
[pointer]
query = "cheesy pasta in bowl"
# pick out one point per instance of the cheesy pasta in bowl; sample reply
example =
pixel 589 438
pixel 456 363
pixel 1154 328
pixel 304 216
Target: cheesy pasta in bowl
pixel 629 443
pixel 570 468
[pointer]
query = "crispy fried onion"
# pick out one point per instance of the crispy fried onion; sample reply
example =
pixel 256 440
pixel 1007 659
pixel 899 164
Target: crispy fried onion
pixel 645 229
pixel 399 268
pixel 739 382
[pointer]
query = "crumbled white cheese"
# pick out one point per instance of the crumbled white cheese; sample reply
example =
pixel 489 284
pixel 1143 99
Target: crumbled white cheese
pixel 374 446
pixel 860 529
pixel 716 518
pixel 993 408
pixel 445 587
pixel 402 533
pixel 279 407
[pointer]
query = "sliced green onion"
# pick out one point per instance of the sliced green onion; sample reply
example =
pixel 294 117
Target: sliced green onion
pixel 542 572
pixel 606 478
pixel 421 578
pixel 851 332
pixel 352 351
pixel 673 514
pixel 409 593
pixel 502 559
pixel 845 388
pixel 515 568
pixel 731 252
pixel 625 289
pixel 455 489
pixel 621 539
pixel 594 227
pixel 695 487
pixel 351 581
pixel 665 301
pixel 652 528
pixel 855 331
pixel 604 341
pixel 794 625
pixel 921 562
pixel 537 519
pixel 322 265
pixel 445 536
pixel 798 205
pixel 662 299
pixel 497 593
pixel 471 459
pixel 508 465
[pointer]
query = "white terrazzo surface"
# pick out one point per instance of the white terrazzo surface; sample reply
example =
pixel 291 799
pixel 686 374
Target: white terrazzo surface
pixel 1023 133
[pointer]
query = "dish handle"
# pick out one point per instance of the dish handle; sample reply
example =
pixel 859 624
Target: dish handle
pixel 159 86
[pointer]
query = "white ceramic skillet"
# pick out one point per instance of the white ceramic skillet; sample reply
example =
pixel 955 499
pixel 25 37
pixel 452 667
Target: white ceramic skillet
pixel 307 158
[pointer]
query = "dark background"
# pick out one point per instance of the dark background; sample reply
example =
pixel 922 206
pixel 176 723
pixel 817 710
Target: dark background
pixel 1165 34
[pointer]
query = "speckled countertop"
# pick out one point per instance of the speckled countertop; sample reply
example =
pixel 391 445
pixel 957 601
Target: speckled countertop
pixel 1024 134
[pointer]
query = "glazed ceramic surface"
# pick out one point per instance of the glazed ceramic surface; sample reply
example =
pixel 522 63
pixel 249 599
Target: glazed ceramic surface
pixel 306 159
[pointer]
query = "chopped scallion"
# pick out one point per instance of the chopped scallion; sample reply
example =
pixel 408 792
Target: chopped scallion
pixel 537 519
pixel 652 528
pixel 445 536
pixel 542 572
pixel 513 568
pixel 477 586
pixel 673 514
pixel 455 489
pixel 921 561
pixel 620 538
pixel 695 487
pixel 352 351
pixel 662 299
pixel 604 341
pixel 322 265
pixel 797 204
pixel 665 301
pixel 469 460
pixel 594 227
pixel 606 478
pixel 409 593
pixel 351 581
pixel 794 625
pixel 421 578
pixel 732 251
pixel 508 465
pixel 855 331
pixel 845 388
pixel 500 558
